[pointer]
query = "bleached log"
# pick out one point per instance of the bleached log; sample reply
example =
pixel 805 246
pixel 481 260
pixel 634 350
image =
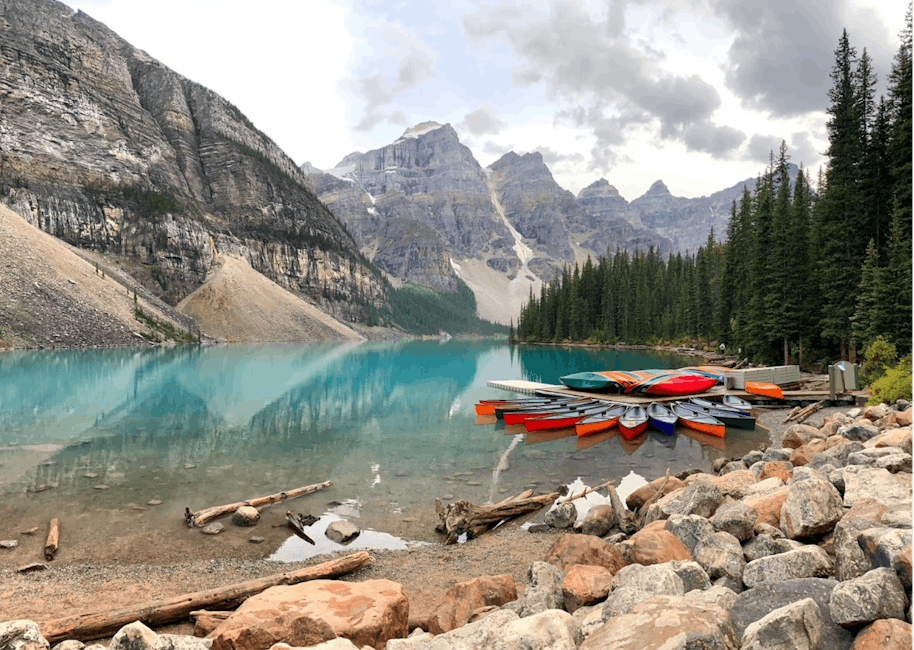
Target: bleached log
pixel 201 517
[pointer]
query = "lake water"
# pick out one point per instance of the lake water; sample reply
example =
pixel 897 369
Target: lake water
pixel 391 424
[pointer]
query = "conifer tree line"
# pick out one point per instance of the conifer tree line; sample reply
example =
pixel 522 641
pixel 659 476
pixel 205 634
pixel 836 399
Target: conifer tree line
pixel 804 273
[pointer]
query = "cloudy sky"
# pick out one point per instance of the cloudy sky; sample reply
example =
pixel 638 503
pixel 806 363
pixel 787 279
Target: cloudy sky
pixel 692 92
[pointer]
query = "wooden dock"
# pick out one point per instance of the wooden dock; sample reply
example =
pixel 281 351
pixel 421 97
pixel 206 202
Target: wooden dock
pixel 791 397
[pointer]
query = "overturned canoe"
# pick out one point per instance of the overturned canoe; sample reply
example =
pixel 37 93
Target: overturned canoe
pixel 673 385
pixel 764 388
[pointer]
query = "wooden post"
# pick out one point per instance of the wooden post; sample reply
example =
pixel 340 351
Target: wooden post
pixel 50 546
pixel 158 612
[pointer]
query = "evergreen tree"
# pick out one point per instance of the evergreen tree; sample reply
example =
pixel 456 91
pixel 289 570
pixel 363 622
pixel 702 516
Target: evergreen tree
pixel 840 223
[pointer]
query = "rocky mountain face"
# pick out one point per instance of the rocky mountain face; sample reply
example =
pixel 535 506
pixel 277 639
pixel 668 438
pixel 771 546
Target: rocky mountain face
pixel 109 150
pixel 686 222
pixel 423 209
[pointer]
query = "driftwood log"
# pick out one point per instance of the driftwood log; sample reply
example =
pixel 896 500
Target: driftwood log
pixel 297 523
pixel 50 546
pixel 201 517
pixel 462 516
pixel 85 627
pixel 801 414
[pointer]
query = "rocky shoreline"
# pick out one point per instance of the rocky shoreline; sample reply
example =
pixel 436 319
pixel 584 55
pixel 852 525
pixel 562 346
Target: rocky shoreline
pixel 802 545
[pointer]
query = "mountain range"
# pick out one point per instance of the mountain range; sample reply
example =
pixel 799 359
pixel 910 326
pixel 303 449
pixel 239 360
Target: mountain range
pixel 423 209
pixel 112 152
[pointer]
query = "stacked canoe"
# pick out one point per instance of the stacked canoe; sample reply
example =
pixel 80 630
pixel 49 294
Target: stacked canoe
pixel 590 416
pixel 660 382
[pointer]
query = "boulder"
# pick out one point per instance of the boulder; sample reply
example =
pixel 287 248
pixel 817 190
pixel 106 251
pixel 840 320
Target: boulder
pixel 246 516
pixel 652 579
pixel 544 590
pixel 667 622
pixel 134 636
pixel 797 626
pixel 553 629
pixel 874 595
pixel 700 497
pixel 572 549
pixel 69 644
pixel 713 595
pixel 881 545
pixel 598 520
pixel 483 633
pixel 585 585
pixel 722 556
pixel 562 516
pixel 850 561
pixel 897 517
pixel 693 576
pixel 776 454
pixel 876 484
pixel 812 507
pixel 752 457
pixel 689 529
pixel 182 642
pixel 733 466
pixel 735 484
pixel 891 438
pixel 342 531
pixel 637 498
pixel 798 435
pixel 804 562
pixel 805 453
pixel 766 486
pixel 461 600
pixel 753 604
pixel 22 634
pixel 736 518
pixel 884 634
pixel 213 529
pixel 764 545
pixel 657 547
pixel 859 430
pixel 782 469
pixel 367 613
pixel 768 506
pixel 902 565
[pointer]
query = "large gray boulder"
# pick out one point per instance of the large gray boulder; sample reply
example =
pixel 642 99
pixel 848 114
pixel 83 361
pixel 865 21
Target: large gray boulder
pixel 718 595
pixel 721 556
pixel 736 518
pixel 805 562
pixel 812 507
pixel 874 595
pixel 700 497
pixel 543 592
pixel 797 626
pixel 835 456
pixel 483 633
pixel 134 636
pixel 552 629
pixel 850 561
pixel 881 545
pixel 860 430
pixel 22 634
pixel 753 604
pixel 764 544
pixel 636 583
pixel 693 576
pixel 562 516
pixel 689 529
pixel 876 484
pixel 668 623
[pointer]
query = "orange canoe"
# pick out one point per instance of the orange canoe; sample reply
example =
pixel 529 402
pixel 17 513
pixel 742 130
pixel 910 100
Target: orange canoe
pixel 764 388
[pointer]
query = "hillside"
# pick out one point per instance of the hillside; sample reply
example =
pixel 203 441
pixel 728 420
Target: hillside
pixel 52 297
pixel 239 304
pixel 111 151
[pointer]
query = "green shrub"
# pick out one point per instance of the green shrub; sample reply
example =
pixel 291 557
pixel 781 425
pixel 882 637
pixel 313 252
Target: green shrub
pixel 894 384
pixel 878 356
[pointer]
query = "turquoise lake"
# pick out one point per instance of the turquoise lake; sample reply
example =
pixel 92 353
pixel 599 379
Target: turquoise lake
pixel 391 424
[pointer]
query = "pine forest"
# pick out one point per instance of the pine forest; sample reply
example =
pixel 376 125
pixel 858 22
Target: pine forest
pixel 806 270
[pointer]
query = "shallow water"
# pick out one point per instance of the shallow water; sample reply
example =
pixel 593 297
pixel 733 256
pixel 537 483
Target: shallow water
pixel 391 424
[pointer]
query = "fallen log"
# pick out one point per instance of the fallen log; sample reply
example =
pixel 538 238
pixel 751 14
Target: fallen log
pixel 85 627
pixel 50 546
pixel 201 517
pixel 809 410
pixel 476 531
pixel 586 491
pixel 297 523
pixel 791 415
pixel 462 516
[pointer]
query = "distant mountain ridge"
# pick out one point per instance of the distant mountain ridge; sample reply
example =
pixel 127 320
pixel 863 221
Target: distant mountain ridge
pixel 423 209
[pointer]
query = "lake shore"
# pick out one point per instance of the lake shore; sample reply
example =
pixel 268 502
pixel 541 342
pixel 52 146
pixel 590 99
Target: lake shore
pixel 160 567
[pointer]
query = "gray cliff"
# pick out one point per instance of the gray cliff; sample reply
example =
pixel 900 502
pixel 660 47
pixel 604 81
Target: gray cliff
pixel 107 149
